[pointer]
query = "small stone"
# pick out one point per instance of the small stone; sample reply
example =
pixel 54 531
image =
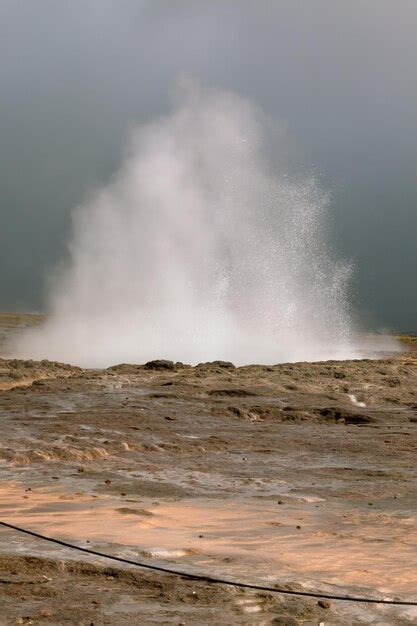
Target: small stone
pixel 324 604
pixel 170 417
pixel 107 481
pixel 298 527
pixel 281 502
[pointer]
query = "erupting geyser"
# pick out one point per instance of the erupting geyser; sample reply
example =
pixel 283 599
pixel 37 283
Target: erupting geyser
pixel 195 252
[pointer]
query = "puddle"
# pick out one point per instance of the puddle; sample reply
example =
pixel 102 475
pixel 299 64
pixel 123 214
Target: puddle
pixel 238 539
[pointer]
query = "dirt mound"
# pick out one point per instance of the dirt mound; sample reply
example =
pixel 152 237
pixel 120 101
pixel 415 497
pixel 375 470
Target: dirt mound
pixel 226 365
pixel 346 417
pixel 15 373
pixel 41 590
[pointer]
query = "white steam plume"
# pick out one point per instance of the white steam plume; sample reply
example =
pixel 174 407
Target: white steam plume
pixel 195 252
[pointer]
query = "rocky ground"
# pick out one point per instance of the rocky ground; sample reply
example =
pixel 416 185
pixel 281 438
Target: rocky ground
pixel 298 475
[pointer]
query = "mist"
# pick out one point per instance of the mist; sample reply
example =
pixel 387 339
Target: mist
pixel 197 250
pixel 77 76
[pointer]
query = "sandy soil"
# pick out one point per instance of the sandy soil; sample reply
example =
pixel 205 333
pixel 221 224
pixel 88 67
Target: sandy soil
pixel 301 475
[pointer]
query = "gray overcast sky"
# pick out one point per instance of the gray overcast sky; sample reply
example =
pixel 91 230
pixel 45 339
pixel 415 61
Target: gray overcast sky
pixel 76 74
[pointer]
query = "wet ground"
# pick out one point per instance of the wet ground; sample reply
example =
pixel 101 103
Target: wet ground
pixel 301 475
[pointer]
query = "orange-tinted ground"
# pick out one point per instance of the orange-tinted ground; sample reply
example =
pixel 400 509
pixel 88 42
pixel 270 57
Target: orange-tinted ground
pixel 301 475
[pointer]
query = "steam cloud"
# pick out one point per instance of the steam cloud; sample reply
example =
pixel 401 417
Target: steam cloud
pixel 195 252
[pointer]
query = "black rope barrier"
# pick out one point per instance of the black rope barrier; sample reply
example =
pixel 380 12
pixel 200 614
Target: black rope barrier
pixel 205 578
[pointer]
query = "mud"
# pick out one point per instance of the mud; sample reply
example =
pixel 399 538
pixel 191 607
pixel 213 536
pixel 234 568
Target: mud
pixel 299 474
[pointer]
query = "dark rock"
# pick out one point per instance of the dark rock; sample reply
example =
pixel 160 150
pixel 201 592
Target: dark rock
pixel 159 364
pixel 285 620
pixel 237 411
pixel 332 414
pixel 124 510
pixel 221 364
pixel 324 604
pixel 231 392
